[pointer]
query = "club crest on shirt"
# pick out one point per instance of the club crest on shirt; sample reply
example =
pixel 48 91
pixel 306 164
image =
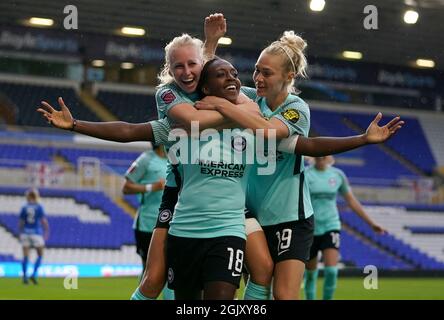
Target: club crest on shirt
pixel 239 143
pixel 165 216
pixel 332 182
pixel 168 96
pixel 291 115
pixel 170 275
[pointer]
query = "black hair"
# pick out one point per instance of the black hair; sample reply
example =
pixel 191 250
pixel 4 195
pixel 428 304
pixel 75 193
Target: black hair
pixel 204 74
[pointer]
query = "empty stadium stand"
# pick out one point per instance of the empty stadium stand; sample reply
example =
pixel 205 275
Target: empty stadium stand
pixel 368 162
pixel 421 252
pixel 129 107
pixel 82 223
pixel 27 94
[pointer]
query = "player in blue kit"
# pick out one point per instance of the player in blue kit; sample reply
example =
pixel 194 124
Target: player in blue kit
pixel 34 231
pixel 325 182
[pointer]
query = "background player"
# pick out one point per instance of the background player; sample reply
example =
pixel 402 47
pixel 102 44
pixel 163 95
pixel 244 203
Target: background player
pixel 34 231
pixel 325 182
pixel 146 178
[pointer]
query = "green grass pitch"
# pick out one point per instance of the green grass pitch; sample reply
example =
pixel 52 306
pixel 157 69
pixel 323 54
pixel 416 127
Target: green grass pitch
pixel 122 288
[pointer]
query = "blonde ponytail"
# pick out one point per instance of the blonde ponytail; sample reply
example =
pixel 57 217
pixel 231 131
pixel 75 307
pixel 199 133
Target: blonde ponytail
pixel 291 47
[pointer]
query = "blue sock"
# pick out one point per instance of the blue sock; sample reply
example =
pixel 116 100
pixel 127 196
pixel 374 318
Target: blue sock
pixel 330 279
pixel 256 292
pixel 137 295
pixel 168 294
pixel 36 266
pixel 310 280
pixel 24 266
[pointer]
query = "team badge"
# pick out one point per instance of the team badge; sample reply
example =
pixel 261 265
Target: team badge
pixel 239 143
pixel 170 275
pixel 168 96
pixel 332 182
pixel 291 115
pixel 165 216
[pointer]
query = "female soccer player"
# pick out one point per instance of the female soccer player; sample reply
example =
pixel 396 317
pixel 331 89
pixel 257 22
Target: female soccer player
pixel 325 182
pixel 34 231
pixel 146 178
pixel 281 202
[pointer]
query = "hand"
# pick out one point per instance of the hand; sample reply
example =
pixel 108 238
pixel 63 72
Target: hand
pixel 215 27
pixel 210 103
pixel 377 134
pixel 159 185
pixel 378 229
pixel 60 119
pixel 202 105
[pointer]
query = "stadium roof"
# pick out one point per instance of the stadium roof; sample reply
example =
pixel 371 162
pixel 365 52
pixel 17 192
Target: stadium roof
pixel 252 23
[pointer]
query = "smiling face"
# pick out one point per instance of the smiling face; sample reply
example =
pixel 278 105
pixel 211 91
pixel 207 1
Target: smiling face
pixel 269 76
pixel 185 67
pixel 221 80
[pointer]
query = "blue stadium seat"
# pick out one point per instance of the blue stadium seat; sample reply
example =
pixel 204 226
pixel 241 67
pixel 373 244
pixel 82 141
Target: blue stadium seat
pixel 391 244
pixel 17 155
pixel 410 142
pixel 70 232
pixel 370 162
pixel 27 98
pixel 130 107
pixel 426 229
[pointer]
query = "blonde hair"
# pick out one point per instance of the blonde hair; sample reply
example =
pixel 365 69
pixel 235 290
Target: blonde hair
pixel 32 194
pixel 291 47
pixel 185 39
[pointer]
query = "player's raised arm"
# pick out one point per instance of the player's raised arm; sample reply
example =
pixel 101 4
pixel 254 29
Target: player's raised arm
pixel 118 131
pixel 215 27
pixel 323 146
